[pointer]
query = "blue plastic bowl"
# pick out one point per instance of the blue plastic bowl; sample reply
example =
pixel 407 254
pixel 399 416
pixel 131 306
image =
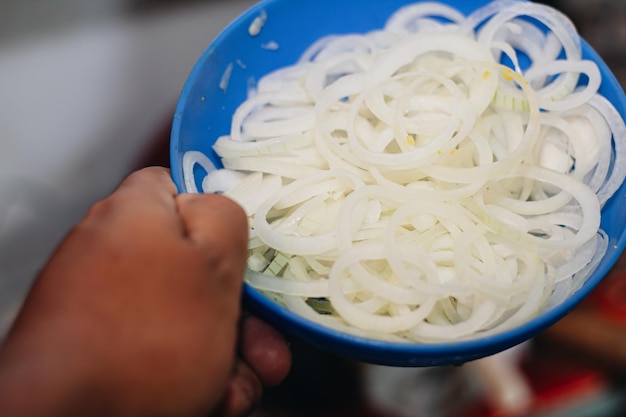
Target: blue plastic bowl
pixel 204 113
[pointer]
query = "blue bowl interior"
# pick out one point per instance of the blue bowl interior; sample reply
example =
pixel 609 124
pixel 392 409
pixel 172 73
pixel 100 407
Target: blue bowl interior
pixel 204 113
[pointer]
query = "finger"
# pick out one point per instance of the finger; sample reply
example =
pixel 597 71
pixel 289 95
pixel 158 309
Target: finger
pixel 153 183
pixel 212 221
pixel 265 350
pixel 159 177
pixel 149 192
pixel 242 395
pixel 218 228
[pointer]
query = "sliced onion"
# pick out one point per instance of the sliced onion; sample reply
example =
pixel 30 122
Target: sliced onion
pixel 415 185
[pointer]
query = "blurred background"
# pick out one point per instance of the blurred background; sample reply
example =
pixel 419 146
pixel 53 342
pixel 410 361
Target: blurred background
pixel 87 92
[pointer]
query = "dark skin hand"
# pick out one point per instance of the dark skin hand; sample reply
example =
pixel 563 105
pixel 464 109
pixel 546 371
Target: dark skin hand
pixel 138 313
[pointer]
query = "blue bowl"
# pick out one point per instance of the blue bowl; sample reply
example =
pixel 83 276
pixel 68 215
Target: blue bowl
pixel 204 113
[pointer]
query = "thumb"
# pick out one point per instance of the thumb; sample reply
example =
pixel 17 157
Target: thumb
pixel 218 229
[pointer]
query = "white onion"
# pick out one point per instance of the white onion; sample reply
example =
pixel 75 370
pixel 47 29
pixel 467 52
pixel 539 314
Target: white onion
pixel 416 186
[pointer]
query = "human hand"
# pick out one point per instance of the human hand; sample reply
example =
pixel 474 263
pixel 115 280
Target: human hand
pixel 137 313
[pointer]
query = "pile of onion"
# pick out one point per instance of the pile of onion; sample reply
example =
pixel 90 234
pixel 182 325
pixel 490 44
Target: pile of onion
pixel 439 179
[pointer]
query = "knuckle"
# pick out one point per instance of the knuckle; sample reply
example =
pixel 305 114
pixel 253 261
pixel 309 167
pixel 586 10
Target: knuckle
pixel 150 172
pixel 100 209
